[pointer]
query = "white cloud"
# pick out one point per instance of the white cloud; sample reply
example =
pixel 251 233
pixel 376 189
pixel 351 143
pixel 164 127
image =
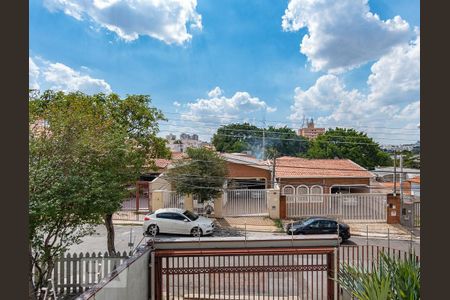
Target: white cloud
pixel 395 77
pixel 215 92
pixel 204 115
pixel 343 34
pixel 33 74
pixel 217 107
pixel 170 21
pixel 392 100
pixel 176 104
pixel 58 76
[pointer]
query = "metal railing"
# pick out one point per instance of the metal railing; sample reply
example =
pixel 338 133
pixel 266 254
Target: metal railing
pixel 364 207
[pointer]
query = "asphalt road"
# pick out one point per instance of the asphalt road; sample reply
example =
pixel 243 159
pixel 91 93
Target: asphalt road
pixel 97 241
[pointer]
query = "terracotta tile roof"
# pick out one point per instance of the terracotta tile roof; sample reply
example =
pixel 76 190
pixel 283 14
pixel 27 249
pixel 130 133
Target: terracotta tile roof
pixel 162 163
pixel 178 155
pixel 295 167
pixel 415 179
pixel 388 187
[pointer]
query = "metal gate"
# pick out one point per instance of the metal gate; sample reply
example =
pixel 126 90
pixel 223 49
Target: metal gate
pixel 283 273
pixel 416 214
pixel 173 200
pixel 364 207
pixel 245 203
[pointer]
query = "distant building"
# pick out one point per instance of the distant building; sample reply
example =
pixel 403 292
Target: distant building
pixel 310 132
pixel 186 141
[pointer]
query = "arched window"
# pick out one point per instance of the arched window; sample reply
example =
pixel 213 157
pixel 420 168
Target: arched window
pixel 316 192
pixel 302 193
pixel 302 190
pixel 288 190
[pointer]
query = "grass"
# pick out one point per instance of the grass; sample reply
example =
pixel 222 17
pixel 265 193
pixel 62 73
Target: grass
pixel 279 224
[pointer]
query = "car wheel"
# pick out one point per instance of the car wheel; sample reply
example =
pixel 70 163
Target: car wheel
pixel 196 231
pixel 153 230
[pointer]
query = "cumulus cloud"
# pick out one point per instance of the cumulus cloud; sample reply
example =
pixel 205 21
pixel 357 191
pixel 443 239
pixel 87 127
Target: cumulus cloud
pixel 58 76
pixel 343 34
pixel 176 104
pixel 218 107
pixel 170 21
pixel 395 78
pixel 392 100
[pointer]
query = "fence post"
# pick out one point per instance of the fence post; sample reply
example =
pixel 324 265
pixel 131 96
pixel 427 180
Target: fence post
pixel 218 206
pixel 331 271
pixel 188 202
pixel 158 199
pixel 273 203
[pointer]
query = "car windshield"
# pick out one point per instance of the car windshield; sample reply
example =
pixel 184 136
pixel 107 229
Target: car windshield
pixel 192 216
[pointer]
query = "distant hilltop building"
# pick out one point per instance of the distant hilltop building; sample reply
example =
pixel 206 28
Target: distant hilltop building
pixel 310 132
pixel 185 141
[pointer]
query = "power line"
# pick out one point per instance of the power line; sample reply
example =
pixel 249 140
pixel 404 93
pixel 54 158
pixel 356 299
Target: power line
pixel 283 121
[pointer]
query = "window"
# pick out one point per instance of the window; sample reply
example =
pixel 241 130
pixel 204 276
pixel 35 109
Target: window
pixel 164 216
pixel 288 190
pixel 302 192
pixel 178 217
pixel 316 194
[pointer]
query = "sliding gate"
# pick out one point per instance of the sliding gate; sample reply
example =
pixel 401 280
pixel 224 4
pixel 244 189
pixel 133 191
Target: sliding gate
pixel 263 273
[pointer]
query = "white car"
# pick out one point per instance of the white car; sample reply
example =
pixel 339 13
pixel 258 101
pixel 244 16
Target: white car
pixel 176 220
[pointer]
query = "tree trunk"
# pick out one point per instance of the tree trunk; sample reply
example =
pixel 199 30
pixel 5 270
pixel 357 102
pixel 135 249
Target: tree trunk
pixel 110 230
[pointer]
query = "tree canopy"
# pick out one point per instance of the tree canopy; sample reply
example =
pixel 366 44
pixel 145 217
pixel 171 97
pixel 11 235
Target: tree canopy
pixel 349 144
pixel 83 152
pixel 202 174
pixel 247 137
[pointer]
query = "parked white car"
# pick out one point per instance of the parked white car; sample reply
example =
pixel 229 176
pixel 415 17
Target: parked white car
pixel 176 220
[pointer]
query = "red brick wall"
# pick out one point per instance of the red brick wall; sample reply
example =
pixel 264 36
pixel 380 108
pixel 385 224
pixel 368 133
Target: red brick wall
pixel 326 183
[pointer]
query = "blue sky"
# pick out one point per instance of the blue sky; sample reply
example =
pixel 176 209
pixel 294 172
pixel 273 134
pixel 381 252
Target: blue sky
pixel 349 74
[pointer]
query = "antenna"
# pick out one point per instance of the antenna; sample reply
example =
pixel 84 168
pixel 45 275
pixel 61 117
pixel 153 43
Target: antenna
pixel 303 121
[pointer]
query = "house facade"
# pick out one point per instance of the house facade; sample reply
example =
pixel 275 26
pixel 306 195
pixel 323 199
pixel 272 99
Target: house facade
pixel 299 176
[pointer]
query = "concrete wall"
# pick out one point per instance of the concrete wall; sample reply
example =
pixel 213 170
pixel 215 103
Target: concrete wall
pixel 157 199
pixel 273 203
pixel 131 282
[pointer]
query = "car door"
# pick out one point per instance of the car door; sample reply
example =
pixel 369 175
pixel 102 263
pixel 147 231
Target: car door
pixel 179 225
pixel 313 228
pixel 328 227
pixel 163 222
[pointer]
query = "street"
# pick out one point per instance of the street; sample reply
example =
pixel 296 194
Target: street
pixel 97 241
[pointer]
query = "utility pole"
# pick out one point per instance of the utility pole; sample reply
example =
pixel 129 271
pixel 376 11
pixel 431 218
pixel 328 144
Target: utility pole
pixel 401 177
pixel 273 170
pixel 264 138
pixel 395 171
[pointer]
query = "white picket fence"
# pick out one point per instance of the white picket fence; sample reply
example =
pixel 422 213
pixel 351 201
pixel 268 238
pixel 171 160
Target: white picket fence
pixel 75 273
pixel 173 200
pixel 361 207
pixel 245 203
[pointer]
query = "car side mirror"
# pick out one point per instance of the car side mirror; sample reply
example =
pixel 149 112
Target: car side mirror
pixel 186 220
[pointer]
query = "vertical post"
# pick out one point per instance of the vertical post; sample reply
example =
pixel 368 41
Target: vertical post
pixel 273 171
pixel 137 196
pixel 395 171
pixel 401 178
pixel 152 275
pixel 331 275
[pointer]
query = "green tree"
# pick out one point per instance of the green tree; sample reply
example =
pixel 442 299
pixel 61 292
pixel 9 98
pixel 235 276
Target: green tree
pixel 83 151
pixel 285 141
pixel 247 137
pixel 237 137
pixel 349 144
pixel 202 174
